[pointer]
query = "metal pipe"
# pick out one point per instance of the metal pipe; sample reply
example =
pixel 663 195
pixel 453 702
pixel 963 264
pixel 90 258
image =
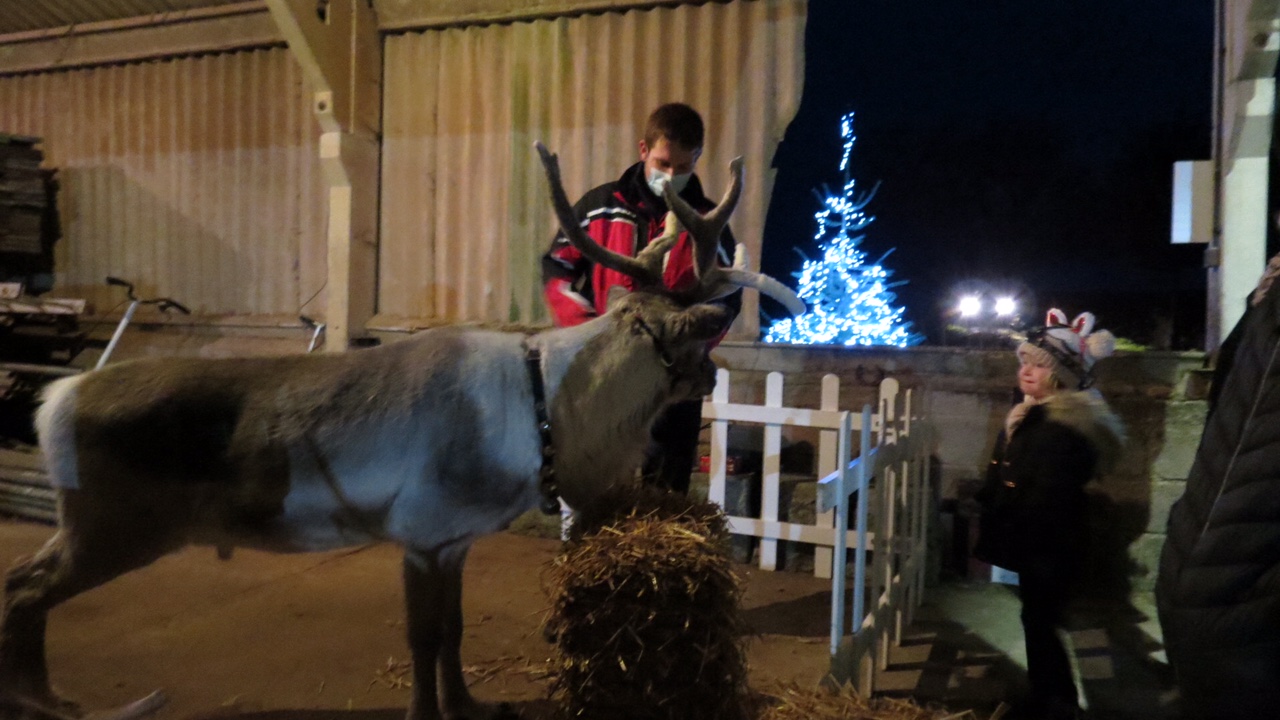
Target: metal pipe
pixel 1213 253
pixel 115 338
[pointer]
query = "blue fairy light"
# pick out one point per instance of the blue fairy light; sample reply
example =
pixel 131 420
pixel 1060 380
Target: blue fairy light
pixel 849 300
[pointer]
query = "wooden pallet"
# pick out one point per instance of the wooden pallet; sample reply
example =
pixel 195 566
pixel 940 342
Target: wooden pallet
pixel 24 486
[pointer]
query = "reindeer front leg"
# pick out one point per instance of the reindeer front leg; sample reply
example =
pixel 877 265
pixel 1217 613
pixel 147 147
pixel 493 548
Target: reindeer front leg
pixel 455 699
pixel 423 604
pixel 433 601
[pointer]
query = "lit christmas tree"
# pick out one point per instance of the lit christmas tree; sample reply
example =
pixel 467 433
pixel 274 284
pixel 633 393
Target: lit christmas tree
pixel 849 300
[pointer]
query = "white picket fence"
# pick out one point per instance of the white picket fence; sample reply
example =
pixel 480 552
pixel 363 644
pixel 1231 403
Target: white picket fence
pixel 890 479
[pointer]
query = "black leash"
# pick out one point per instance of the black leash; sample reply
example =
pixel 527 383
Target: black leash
pixel 547 486
pixel 663 355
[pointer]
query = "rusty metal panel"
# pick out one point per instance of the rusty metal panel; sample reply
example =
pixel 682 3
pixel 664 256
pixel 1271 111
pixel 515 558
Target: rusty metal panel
pixel 197 178
pixel 465 215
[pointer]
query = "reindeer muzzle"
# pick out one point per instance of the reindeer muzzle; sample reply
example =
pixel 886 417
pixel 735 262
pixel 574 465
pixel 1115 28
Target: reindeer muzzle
pixel 706 381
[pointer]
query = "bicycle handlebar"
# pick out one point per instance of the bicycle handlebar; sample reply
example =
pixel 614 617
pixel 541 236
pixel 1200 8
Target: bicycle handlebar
pixel 121 283
pixel 164 303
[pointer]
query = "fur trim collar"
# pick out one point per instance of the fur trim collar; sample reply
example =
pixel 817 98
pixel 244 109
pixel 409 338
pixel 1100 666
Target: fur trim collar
pixel 1086 412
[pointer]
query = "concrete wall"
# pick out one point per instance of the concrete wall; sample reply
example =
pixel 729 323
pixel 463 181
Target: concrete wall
pixel 966 393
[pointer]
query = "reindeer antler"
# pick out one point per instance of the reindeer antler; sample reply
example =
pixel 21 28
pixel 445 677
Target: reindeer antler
pixel 578 237
pixel 653 253
pixel 713 280
pixel 706 229
pixel 646 267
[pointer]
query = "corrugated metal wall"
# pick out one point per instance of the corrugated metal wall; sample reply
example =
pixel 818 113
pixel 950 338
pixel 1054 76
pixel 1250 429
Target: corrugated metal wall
pixel 20 15
pixel 195 177
pixel 465 215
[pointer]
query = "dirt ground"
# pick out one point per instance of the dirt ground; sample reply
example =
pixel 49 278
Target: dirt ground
pixel 305 637
pixel 300 637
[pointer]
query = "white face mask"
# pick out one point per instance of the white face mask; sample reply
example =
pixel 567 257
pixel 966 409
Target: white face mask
pixel 658 180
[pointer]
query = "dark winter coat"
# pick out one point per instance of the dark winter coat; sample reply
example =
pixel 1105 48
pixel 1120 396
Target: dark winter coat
pixel 1218 590
pixel 1033 499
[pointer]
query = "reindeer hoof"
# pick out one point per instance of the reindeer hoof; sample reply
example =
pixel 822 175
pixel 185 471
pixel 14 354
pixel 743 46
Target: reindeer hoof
pixel 136 709
pixel 38 705
pixel 486 711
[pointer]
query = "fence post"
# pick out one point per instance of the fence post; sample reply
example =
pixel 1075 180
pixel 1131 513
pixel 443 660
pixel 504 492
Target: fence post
pixel 903 514
pixel 771 471
pixel 925 500
pixel 865 665
pixel 828 441
pixel 883 573
pixel 840 540
pixel 719 442
pixel 922 502
pixel 910 518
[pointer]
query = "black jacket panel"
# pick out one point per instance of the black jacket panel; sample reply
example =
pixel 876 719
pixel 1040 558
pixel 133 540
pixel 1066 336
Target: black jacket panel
pixel 1218 590
pixel 1033 499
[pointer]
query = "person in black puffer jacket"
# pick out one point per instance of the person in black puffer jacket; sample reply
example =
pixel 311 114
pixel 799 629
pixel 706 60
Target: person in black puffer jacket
pixel 1055 441
pixel 1218 587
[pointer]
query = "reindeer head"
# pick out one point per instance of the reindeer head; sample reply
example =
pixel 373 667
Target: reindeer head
pixel 679 336
pixel 713 281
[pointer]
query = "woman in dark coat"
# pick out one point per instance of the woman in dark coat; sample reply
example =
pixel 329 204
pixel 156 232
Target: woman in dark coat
pixel 1218 591
pixel 1055 441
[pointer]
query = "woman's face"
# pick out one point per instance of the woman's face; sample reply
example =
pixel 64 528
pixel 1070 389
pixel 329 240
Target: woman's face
pixel 1036 381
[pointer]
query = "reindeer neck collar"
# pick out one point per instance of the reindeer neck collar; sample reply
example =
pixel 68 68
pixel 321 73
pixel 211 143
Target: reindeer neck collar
pixel 547 485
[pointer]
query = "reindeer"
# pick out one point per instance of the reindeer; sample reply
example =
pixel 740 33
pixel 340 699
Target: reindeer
pixel 431 443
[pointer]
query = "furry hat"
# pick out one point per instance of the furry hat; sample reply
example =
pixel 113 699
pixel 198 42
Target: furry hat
pixel 1069 349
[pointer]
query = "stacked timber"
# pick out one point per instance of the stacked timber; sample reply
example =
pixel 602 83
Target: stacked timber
pixel 28 228
pixel 39 337
pixel 24 486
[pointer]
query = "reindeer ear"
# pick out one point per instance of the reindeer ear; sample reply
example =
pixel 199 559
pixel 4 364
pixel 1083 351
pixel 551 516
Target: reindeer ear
pixel 1083 324
pixel 1055 318
pixel 616 293
pixel 701 322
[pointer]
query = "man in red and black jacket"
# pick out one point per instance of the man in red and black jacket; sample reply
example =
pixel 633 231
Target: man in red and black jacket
pixel 625 216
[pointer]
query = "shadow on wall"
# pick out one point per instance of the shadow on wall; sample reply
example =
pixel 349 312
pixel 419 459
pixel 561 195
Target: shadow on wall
pixel 1125 531
pixel 1113 527
pixel 218 246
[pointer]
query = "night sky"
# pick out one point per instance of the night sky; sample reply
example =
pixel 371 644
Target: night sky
pixel 1025 144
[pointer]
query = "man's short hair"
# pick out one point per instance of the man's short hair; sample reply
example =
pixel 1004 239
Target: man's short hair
pixel 680 124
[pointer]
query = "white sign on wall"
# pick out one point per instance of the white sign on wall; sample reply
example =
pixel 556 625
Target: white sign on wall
pixel 1192 202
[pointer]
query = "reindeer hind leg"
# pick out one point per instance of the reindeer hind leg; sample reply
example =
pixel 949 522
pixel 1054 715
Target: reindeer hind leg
pixel 85 553
pixel 28 591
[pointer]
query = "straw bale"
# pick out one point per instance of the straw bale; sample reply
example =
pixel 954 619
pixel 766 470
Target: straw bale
pixel 645 612
pixel 791 702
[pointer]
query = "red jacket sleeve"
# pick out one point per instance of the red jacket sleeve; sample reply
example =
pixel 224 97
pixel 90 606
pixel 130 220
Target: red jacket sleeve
pixel 568 308
pixel 562 267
